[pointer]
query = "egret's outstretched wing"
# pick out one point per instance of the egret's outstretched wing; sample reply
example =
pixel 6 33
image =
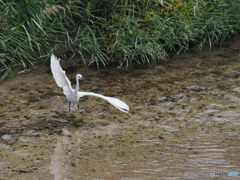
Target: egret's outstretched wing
pixel 114 101
pixel 60 76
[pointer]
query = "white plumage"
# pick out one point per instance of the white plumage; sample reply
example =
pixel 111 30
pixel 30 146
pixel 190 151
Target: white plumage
pixel 74 95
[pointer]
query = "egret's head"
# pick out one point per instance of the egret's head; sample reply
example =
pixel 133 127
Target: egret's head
pixel 79 77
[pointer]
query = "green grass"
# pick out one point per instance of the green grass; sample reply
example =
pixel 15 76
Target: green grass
pixel 120 31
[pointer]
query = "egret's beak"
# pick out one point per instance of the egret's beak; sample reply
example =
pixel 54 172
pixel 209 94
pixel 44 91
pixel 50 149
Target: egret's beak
pixel 82 78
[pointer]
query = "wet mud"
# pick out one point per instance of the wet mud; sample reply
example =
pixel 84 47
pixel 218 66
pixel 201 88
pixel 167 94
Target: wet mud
pixel 183 121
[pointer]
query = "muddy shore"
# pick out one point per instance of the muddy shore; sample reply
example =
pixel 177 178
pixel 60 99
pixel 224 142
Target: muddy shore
pixel 183 121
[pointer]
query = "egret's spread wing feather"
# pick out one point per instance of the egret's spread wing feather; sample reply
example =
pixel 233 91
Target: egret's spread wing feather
pixel 60 76
pixel 114 101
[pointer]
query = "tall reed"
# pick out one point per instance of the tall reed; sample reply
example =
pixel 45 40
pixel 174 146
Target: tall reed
pixel 111 31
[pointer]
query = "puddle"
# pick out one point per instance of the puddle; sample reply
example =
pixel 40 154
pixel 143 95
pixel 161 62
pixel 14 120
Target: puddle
pixel 183 122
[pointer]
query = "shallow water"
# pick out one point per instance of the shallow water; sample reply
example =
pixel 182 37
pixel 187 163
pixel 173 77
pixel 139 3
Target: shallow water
pixel 183 122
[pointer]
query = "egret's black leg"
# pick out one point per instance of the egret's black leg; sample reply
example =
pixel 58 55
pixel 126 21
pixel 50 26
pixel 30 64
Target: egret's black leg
pixel 78 105
pixel 69 106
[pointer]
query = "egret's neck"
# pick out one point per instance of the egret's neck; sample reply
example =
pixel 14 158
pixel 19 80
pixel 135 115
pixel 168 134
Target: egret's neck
pixel 77 85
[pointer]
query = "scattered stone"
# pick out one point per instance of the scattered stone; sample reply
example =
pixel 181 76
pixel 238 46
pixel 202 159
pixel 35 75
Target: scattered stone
pixel 196 88
pixel 6 136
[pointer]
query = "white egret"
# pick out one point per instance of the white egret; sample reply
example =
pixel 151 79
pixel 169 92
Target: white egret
pixel 74 95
